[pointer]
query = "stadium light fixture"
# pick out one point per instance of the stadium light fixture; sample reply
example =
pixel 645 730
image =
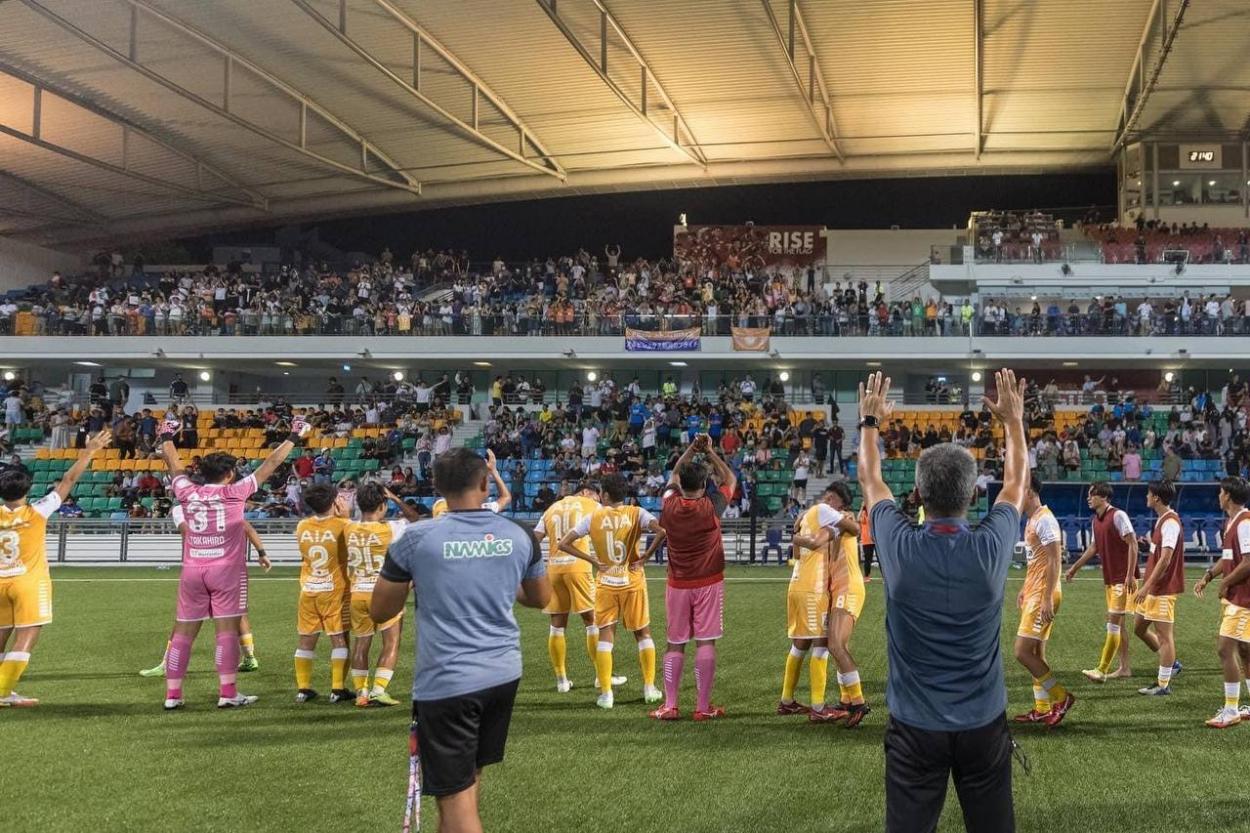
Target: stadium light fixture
pixel 88 364
pixel 1071 364
pixel 1169 376
pixel 784 375
pixel 205 376
pixel 976 376
pixel 286 373
pixel 1211 182
pixel 592 376
pixel 677 364
pixel 285 364
pixel 9 375
pixel 347 368
pixel 873 364
pixel 481 364
pixel 398 375
pixel 1175 182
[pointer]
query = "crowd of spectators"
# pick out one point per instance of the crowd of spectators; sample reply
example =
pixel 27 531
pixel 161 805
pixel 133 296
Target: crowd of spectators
pixel 1010 236
pixel 1154 241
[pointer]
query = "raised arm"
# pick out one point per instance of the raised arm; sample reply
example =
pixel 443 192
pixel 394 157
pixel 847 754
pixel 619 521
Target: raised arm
pixel 723 471
pixel 410 513
pixel 673 481
pixel 95 445
pixel 170 426
pixel 300 428
pixel 505 494
pixel 874 408
pixel 1010 410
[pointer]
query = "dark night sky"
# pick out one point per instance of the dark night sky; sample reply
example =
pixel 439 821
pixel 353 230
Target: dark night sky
pixel 642 222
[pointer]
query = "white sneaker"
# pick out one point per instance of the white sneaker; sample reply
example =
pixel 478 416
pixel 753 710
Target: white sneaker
pixel 17 701
pixel 651 694
pixel 620 680
pixel 564 685
pixel 1224 718
pixel 172 704
pixel 605 701
pixel 236 702
pixel 1244 712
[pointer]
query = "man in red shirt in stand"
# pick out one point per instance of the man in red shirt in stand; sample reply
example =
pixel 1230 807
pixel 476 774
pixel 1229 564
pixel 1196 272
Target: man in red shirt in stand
pixel 695 596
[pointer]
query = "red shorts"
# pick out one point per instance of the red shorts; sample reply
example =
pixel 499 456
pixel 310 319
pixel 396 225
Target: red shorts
pixel 217 592
pixel 695 613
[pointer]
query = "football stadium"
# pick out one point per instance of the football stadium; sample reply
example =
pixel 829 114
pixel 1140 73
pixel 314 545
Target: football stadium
pixel 875 376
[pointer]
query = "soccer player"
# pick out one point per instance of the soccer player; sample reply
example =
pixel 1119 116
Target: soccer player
pixel 572 579
pixel 497 505
pixel 1165 580
pixel 323 583
pixel 367 542
pixel 25 580
pixel 213 581
pixel 867 548
pixel 1115 544
pixel 818 544
pixel 247 645
pixel 1038 601
pixel 1234 566
pixel 694 599
pixel 615 533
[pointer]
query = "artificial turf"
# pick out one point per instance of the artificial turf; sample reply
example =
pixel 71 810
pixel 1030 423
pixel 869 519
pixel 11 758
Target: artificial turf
pixel 99 754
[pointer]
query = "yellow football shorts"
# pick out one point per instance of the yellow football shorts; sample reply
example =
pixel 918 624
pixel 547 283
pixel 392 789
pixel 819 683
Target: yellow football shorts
pixel 1236 622
pixel 362 625
pixel 572 592
pixel 807 615
pixel 321 613
pixel 849 598
pixel 1031 625
pixel 1158 609
pixel 627 605
pixel 1119 600
pixel 26 601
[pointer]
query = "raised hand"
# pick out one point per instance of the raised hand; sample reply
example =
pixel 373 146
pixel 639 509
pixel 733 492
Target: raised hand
pixel 300 426
pixel 874 397
pixel 1010 405
pixel 100 441
pixel 490 460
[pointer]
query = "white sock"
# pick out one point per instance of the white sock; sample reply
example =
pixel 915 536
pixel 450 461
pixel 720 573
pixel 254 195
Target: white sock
pixel 797 652
pixel 1165 675
pixel 1231 691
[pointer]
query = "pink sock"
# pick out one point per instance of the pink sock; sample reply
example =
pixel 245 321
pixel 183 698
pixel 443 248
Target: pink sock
pixel 178 658
pixel 228 662
pixel 674 662
pixel 705 674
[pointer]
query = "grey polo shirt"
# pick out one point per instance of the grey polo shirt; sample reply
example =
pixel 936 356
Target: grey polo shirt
pixel 465 568
pixel 944 584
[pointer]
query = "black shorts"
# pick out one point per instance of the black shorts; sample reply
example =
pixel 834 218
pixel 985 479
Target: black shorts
pixel 460 735
pixel 800 484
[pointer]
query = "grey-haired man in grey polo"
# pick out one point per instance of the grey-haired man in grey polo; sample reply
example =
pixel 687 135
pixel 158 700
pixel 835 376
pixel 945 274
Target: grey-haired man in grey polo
pixel 468 567
pixel 944 585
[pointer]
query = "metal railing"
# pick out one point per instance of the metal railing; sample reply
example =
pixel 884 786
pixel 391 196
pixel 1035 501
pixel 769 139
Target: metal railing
pixel 822 325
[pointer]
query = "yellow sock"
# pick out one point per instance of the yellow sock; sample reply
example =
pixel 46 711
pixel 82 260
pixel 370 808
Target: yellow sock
pixel 790 679
pixel 304 668
pixel 818 676
pixel 849 687
pixel 381 679
pixel 592 643
pixel 248 645
pixel 11 668
pixel 1041 700
pixel 360 679
pixel 338 668
pixel 1054 689
pixel 646 661
pixel 603 666
pixel 1110 647
pixel 557 649
pixel 1232 695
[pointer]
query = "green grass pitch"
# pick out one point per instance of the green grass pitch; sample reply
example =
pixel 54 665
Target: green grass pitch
pixel 100 755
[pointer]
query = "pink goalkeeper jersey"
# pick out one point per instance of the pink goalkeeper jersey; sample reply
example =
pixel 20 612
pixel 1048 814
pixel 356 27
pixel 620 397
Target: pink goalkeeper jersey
pixel 214 516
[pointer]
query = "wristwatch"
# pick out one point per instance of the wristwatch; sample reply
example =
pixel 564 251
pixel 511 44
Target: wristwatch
pixel 869 421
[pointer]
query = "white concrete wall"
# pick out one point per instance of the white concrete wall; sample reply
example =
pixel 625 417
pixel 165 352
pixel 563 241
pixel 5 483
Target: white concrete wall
pixel 23 264
pixel 875 247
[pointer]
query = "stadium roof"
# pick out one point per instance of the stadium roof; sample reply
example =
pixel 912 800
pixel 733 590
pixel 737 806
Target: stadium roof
pixel 137 117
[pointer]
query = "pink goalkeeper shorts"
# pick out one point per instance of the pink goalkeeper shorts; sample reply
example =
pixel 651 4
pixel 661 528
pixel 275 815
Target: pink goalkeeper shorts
pixel 217 592
pixel 695 613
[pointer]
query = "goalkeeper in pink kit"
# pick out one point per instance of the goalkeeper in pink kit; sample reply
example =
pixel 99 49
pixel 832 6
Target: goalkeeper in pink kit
pixel 213 583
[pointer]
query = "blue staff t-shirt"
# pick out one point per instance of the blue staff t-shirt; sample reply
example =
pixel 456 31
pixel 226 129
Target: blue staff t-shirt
pixel 465 567
pixel 944 585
